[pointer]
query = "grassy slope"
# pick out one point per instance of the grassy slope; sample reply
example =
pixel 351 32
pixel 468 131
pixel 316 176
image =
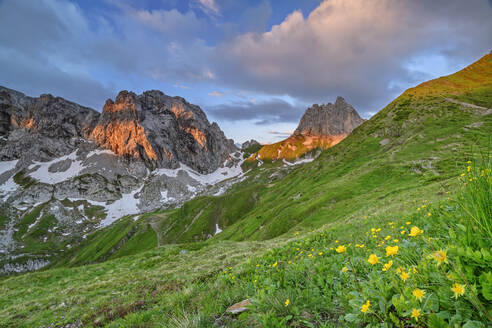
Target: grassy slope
pixel 410 151
pixel 293 147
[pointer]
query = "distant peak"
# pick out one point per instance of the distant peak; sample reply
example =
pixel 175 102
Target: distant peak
pixel 340 99
pixel 329 120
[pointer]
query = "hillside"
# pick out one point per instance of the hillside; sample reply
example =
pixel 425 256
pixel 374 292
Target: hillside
pixel 282 226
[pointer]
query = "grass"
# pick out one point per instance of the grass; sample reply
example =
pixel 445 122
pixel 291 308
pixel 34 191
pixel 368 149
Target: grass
pixel 283 226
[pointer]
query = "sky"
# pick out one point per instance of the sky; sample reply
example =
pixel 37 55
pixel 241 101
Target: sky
pixel 253 66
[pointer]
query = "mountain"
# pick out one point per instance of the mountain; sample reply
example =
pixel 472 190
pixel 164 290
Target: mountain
pixel 295 240
pixel 161 131
pixel 67 170
pixel 321 127
pixel 338 119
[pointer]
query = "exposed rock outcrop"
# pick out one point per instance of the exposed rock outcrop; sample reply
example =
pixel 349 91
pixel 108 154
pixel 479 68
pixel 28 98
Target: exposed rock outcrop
pixel 249 143
pixel 162 131
pixel 41 128
pixel 329 120
pixel 321 127
pixel 71 169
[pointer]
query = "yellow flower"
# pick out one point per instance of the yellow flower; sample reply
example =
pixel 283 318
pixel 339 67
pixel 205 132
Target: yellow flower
pixel 391 250
pixel 287 302
pixel 395 240
pixel 415 231
pixel 341 249
pixel 429 214
pixel 415 314
pixel 458 290
pixel 258 265
pixel 344 269
pixel 387 266
pixel 365 307
pixel 275 264
pixel 404 276
pixel 310 255
pixel 408 223
pixel 387 238
pixel 255 281
pixel 336 241
pixel 414 269
pixel 440 256
pixel 373 259
pixel 469 162
pixel 320 253
pixel 468 168
pixel 331 248
pixel 362 246
pixel 418 293
pixel 290 262
pixel 462 174
pixel 378 229
pixel 402 232
pixel 399 270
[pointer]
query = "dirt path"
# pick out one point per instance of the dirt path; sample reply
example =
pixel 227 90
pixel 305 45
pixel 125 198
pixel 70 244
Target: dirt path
pixel 485 110
pixel 194 219
pixel 154 223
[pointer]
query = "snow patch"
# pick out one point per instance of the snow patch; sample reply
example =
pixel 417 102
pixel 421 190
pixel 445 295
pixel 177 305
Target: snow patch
pixel 43 175
pixel 217 229
pixel 7 187
pixel 7 165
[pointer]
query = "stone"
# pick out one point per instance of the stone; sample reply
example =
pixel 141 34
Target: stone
pixel 239 307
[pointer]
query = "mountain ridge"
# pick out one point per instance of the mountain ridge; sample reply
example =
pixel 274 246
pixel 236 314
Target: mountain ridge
pixel 320 127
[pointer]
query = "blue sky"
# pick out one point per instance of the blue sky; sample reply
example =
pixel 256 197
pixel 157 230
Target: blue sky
pixel 252 66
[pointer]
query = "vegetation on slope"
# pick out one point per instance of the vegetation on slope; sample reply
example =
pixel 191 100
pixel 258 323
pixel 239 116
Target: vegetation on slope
pixel 294 147
pixel 428 272
pixel 411 153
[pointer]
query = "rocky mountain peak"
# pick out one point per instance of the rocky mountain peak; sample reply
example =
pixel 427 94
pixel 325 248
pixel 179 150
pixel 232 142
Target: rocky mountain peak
pixel 329 119
pixel 162 131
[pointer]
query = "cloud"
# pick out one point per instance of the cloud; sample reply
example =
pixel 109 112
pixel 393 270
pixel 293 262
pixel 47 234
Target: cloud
pixel 216 94
pixel 281 134
pixel 209 7
pixel 264 112
pixel 355 48
pixel 171 23
pixel 181 86
pixel 43 49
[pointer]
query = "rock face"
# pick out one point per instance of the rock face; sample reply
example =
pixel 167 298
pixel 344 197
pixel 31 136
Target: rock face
pixel 249 143
pixel 68 169
pixel 162 131
pixel 321 127
pixel 41 128
pixel 329 120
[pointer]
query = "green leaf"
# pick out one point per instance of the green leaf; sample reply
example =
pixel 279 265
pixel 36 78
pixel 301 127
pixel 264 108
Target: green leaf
pixel 473 324
pixel 486 285
pixel 436 321
pixel 351 317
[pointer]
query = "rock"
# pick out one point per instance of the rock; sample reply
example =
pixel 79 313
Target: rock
pixel 86 169
pixel 384 142
pixel 249 144
pixel 329 120
pixel 239 307
pixel 41 128
pixel 162 131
